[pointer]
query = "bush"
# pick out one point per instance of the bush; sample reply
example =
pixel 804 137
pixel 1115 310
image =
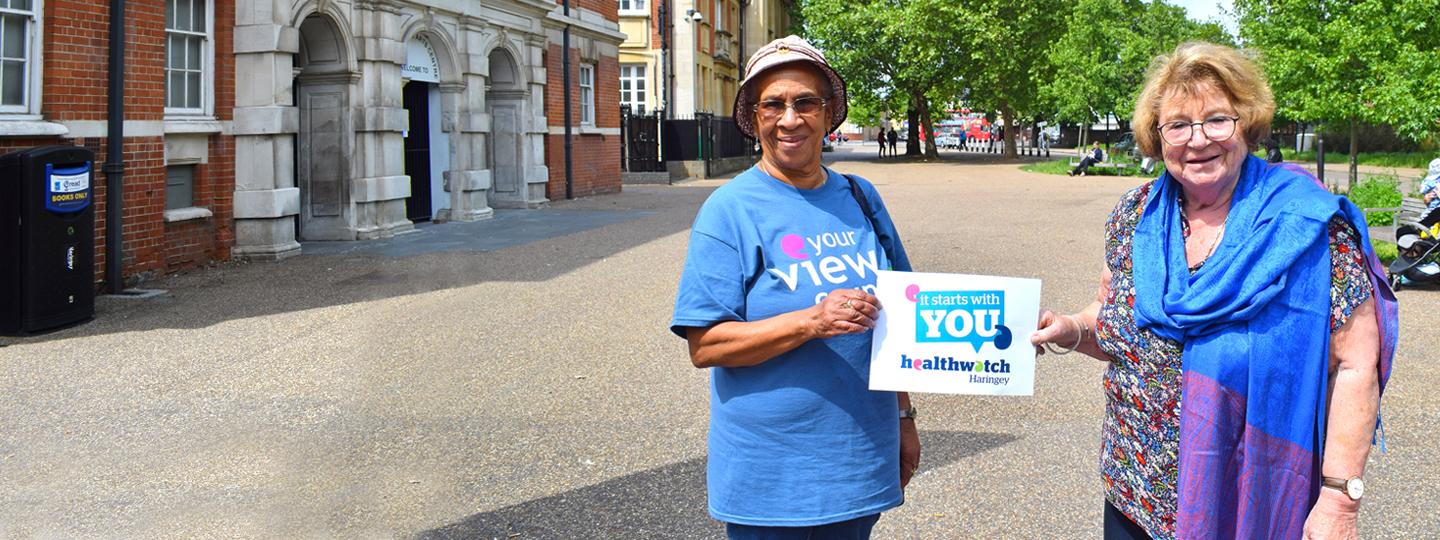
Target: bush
pixel 1386 251
pixel 1377 192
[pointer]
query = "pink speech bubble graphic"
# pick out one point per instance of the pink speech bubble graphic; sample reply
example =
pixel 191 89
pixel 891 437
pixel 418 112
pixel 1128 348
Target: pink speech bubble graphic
pixel 794 246
pixel 911 291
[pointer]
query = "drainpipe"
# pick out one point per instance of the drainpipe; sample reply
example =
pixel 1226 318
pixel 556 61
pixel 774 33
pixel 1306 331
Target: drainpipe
pixel 740 40
pixel 565 63
pixel 114 152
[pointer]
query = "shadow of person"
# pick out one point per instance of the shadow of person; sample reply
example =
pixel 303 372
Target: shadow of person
pixel 664 502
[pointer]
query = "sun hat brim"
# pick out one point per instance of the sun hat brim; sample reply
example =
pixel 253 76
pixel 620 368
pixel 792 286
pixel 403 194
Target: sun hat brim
pixel 783 51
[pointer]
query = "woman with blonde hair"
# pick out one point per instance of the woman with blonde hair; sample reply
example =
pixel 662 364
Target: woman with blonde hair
pixel 1246 321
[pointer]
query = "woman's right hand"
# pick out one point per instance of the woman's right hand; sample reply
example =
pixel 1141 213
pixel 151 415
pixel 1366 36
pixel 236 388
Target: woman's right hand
pixel 1053 328
pixel 845 311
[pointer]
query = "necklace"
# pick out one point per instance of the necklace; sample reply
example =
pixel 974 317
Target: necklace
pixel 1214 241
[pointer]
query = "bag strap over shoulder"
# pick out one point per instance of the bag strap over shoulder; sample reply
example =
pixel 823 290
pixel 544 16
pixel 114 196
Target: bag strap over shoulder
pixel 887 242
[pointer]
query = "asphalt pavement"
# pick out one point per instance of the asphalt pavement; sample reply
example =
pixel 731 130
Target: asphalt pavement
pixel 516 379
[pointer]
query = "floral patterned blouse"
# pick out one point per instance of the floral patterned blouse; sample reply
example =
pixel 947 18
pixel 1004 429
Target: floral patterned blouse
pixel 1142 386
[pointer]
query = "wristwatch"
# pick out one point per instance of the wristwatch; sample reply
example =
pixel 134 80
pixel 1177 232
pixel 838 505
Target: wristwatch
pixel 1353 487
pixel 908 413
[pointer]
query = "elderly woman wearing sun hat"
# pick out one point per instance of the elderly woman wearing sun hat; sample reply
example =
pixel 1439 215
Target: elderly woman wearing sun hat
pixel 798 444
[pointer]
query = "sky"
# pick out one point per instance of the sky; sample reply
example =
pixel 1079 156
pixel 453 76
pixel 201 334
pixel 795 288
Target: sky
pixel 1204 10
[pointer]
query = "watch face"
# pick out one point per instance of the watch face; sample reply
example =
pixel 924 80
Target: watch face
pixel 1355 488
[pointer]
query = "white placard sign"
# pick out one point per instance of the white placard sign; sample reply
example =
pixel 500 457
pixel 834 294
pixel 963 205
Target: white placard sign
pixel 954 334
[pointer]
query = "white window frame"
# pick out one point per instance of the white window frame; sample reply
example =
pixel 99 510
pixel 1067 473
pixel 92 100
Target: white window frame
pixel 29 107
pixel 636 96
pixel 719 15
pixel 634 7
pixel 587 94
pixel 207 65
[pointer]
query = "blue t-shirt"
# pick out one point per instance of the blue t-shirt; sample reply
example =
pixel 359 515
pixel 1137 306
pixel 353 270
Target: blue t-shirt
pixel 800 439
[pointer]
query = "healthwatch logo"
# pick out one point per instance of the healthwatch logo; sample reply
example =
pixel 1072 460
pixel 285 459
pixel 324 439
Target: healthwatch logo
pixel 974 317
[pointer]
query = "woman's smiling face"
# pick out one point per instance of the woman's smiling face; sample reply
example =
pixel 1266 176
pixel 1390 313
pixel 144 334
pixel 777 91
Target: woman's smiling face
pixel 792 141
pixel 1199 161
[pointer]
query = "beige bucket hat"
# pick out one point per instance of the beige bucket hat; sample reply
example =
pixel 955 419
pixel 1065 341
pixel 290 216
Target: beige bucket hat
pixel 777 53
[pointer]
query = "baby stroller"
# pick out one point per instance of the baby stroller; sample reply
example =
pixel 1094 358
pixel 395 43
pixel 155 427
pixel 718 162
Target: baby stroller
pixel 1417 260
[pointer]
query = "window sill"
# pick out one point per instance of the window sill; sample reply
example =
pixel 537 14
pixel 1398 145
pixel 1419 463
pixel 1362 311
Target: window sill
pixel 30 128
pixel 192 125
pixel 634 13
pixel 187 214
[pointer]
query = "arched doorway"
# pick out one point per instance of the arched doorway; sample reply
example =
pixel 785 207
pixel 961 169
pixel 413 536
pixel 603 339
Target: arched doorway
pixel 322 166
pixel 427 145
pixel 505 100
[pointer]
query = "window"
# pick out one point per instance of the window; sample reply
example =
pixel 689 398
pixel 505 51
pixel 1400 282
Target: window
pixel 587 94
pixel 633 6
pixel 719 15
pixel 632 87
pixel 187 50
pixel 179 186
pixel 17 54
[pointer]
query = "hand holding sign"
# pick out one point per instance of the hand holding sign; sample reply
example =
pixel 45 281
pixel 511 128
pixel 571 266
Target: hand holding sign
pixel 846 311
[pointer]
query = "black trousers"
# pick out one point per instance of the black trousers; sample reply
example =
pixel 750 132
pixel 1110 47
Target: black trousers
pixel 1083 166
pixel 1119 527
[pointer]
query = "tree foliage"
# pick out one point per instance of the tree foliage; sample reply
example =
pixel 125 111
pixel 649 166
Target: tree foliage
pixel 1342 61
pixel 1101 60
pixel 1003 67
pixel 895 52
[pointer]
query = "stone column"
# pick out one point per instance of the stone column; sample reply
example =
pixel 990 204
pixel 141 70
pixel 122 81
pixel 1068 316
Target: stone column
pixel 537 174
pixel 266 198
pixel 379 185
pixel 469 177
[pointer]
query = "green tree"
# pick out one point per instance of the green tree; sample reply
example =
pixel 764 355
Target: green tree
pixel 891 51
pixel 1344 62
pixel 1101 60
pixel 1004 64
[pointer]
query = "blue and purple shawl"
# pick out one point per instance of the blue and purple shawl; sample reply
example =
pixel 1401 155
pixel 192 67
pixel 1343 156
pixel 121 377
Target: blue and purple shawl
pixel 1254 321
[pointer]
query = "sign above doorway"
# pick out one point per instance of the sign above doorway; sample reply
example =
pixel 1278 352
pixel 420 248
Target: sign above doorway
pixel 421 64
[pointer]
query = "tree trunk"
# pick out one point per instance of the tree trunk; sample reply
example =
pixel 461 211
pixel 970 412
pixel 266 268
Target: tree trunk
pixel 928 126
pixel 1354 154
pixel 912 133
pixel 1011 126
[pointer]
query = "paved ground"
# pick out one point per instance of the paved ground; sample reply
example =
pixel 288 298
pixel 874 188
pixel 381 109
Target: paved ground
pixel 468 388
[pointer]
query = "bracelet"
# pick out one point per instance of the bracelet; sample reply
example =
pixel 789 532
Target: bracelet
pixel 1078 339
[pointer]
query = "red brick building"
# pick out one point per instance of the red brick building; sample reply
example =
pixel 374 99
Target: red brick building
pixel 179 82
pixel 594 109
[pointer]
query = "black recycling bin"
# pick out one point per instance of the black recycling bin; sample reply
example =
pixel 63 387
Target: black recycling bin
pixel 47 239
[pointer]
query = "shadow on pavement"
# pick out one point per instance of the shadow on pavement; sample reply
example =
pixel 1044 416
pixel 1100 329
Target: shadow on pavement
pixel 515 246
pixel 666 502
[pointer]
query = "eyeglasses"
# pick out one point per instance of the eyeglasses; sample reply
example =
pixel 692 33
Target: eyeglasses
pixel 771 109
pixel 1216 128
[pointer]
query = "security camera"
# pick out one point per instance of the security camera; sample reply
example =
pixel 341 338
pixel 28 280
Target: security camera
pixel 695 15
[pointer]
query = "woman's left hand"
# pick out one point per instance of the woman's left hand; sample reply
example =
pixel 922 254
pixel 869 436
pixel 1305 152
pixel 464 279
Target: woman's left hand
pixel 909 451
pixel 1334 516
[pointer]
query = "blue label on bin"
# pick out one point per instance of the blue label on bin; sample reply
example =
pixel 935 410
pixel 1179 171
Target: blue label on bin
pixel 67 189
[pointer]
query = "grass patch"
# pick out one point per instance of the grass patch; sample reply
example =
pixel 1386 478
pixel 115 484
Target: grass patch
pixel 1386 251
pixel 1062 166
pixel 1412 160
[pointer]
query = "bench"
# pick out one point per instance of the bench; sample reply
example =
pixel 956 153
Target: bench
pixel 1409 211
pixel 1113 166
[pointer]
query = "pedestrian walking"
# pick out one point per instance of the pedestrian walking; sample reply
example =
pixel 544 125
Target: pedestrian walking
pixel 1266 286
pixel 894 138
pixel 799 447
pixel 880 140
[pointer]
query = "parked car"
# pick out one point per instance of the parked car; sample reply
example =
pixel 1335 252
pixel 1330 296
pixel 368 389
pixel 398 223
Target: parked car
pixel 1126 145
pixel 948 140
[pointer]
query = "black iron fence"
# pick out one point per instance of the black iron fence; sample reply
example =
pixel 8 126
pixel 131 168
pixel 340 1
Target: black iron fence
pixel 650 140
